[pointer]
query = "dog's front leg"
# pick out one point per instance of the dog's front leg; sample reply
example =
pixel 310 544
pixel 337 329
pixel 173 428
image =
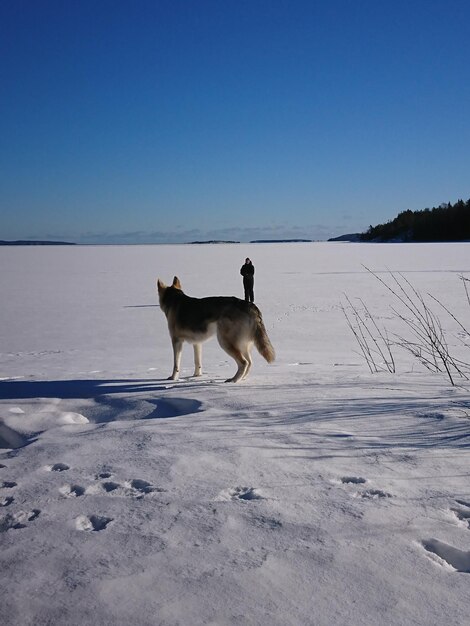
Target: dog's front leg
pixel 177 351
pixel 197 359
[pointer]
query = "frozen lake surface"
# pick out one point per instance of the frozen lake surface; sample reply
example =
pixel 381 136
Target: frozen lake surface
pixel 314 492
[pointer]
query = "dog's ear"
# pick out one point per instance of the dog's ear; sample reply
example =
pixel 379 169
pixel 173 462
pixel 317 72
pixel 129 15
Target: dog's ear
pixel 161 286
pixel 176 283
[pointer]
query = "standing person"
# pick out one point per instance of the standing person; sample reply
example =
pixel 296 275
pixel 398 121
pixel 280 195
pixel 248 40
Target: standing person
pixel 248 272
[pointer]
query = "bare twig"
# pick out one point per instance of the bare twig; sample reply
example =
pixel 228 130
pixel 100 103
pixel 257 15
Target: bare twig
pixel 428 341
pixel 370 345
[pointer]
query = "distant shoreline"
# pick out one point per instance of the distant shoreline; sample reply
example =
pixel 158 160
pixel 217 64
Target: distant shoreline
pixel 282 241
pixel 343 239
pixel 27 242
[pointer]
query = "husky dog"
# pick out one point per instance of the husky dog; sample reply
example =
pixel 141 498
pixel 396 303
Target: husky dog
pixel 238 325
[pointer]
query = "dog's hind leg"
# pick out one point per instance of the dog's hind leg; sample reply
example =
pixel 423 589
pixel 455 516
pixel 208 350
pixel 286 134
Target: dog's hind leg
pixel 241 360
pixel 197 359
pixel 247 356
pixel 242 367
pixel 177 351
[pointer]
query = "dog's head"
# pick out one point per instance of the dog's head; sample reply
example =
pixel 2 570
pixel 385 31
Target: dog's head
pixel 164 290
pixel 161 285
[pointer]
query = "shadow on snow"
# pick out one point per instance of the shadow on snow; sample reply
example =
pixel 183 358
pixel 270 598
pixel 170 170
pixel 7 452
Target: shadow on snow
pixel 112 400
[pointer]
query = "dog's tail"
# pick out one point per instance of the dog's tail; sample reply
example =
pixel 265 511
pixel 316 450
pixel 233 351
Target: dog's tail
pixel 262 342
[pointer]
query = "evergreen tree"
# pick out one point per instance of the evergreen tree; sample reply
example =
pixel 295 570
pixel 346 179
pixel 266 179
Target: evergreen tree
pixel 447 222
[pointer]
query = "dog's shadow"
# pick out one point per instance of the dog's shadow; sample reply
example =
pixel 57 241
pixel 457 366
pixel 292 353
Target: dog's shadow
pixel 78 389
pixel 112 400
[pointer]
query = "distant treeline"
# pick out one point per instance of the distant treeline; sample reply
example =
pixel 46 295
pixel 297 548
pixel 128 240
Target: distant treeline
pixel 448 222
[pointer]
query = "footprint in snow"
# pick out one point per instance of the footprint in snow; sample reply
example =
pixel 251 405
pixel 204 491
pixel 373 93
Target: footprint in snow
pixel 7 501
pixel 92 522
pixel 240 493
pixel 138 488
pixel 459 560
pixel 103 475
pixel 142 486
pixel 18 520
pixel 374 494
pixel 72 491
pixel 462 512
pixel 110 486
pixel 134 488
pixel 57 467
pixel 368 494
pixel 353 480
pixel 7 484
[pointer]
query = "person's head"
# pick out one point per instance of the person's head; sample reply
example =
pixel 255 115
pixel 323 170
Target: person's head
pixel 247 260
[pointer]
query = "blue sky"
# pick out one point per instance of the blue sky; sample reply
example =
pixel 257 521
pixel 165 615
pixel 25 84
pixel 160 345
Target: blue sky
pixel 171 121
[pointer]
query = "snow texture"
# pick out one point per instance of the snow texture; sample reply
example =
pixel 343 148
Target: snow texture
pixel 314 492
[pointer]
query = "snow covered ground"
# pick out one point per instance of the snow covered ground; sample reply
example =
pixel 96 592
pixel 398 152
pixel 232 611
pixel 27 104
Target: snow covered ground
pixel 314 492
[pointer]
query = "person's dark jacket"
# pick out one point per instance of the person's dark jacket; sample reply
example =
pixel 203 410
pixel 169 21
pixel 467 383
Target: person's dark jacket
pixel 247 271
